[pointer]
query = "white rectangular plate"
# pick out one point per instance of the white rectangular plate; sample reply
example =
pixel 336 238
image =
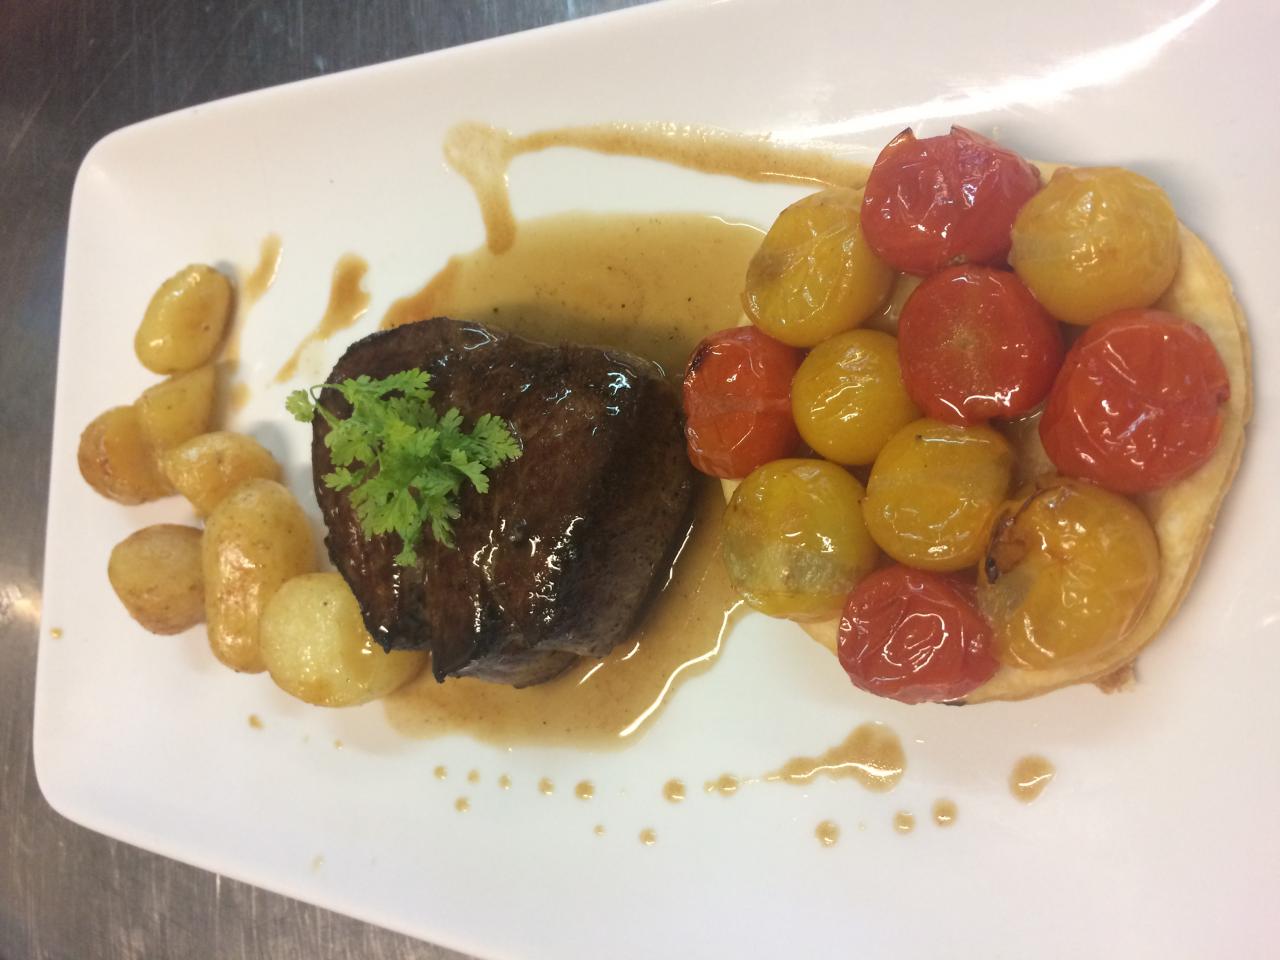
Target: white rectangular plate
pixel 1158 836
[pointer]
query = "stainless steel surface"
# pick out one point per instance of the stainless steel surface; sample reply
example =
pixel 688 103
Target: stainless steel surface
pixel 70 72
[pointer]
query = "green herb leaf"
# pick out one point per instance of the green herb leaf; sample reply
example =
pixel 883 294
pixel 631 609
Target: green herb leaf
pixel 403 464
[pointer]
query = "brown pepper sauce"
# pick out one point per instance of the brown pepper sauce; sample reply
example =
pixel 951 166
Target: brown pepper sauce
pixel 653 285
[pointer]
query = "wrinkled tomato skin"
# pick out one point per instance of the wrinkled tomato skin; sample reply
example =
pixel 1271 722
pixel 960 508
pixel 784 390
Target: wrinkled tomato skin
pixel 1138 402
pixel 944 200
pixel 975 344
pixel 737 402
pixel 915 637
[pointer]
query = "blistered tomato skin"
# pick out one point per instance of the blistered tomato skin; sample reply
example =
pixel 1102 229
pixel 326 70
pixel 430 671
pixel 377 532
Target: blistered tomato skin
pixel 1069 570
pixel 944 200
pixel 915 636
pixel 934 491
pixel 815 275
pixel 975 344
pixel 737 402
pixel 848 398
pixel 1094 241
pixel 1138 404
pixel 794 541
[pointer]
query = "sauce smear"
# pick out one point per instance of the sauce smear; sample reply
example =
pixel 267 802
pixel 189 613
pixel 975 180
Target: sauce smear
pixel 482 154
pixel 348 300
pixel 872 754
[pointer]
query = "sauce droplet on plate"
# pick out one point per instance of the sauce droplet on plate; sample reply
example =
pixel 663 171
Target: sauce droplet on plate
pixel 504 782
pixel 546 787
pixel 255 721
pixel 944 812
pixel 904 822
pixel 648 836
pixel 462 804
pixel 673 791
pixel 599 830
pixel 441 773
pixel 1030 776
pixel 726 785
pixel 827 833
pixel 473 776
pixel 585 790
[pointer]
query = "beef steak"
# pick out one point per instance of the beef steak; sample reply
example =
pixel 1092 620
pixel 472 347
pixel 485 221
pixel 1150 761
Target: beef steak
pixel 558 560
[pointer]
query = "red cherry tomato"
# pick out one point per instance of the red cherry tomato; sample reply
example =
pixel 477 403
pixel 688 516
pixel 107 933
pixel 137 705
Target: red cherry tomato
pixel 915 636
pixel 737 402
pixel 975 344
pixel 1138 402
pixel 944 200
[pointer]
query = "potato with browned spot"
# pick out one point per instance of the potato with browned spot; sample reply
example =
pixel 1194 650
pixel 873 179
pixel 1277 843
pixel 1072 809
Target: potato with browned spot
pixel 157 576
pixel 317 649
pixel 118 461
pixel 185 320
pixel 177 409
pixel 208 467
pixel 255 540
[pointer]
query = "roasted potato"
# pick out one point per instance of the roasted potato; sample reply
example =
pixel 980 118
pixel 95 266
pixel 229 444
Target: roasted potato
pixel 208 467
pixel 117 460
pixel 255 540
pixel 317 649
pixel 184 321
pixel 178 408
pixel 156 574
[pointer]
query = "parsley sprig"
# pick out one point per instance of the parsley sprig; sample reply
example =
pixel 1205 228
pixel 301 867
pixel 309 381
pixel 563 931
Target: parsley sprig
pixel 404 464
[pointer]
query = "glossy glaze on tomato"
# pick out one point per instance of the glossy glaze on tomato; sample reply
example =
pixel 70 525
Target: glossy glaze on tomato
pixel 1138 404
pixel 1096 240
pixel 815 275
pixel 975 344
pixel 1070 569
pixel 933 492
pixel 737 402
pixel 915 637
pixel 944 200
pixel 794 540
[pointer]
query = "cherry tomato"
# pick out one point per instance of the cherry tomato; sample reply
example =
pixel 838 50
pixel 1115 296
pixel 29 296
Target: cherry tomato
pixel 1068 572
pixel 1096 240
pixel 814 275
pixel 794 540
pixel 1138 402
pixel 944 200
pixel 933 492
pixel 974 344
pixel 848 398
pixel 915 636
pixel 737 402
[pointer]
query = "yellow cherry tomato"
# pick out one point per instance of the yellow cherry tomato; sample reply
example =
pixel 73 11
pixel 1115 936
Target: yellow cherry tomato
pixel 933 492
pixel 1096 240
pixel 814 275
pixel 1069 570
pixel 794 540
pixel 848 399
